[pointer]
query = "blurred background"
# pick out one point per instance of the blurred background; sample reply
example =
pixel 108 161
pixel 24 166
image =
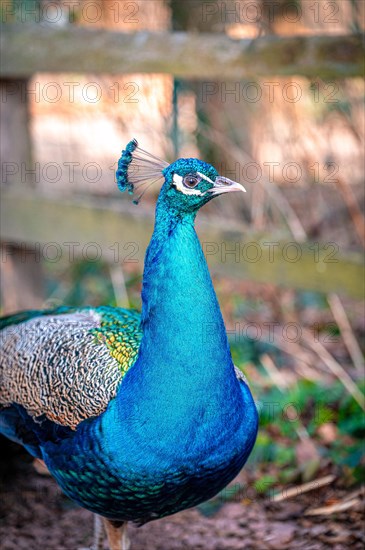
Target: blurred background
pixel 272 94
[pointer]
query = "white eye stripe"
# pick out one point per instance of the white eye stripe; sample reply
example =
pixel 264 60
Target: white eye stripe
pixel 177 181
pixel 204 177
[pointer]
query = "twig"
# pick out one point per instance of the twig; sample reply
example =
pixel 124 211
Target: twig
pixel 307 372
pixel 273 371
pixel 356 493
pixel 281 383
pixel 353 208
pixel 339 314
pixel 335 368
pixel 119 287
pixel 298 353
pixel 299 489
pixel 338 507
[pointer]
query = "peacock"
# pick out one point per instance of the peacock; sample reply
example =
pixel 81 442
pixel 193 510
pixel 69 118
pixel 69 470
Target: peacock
pixel 136 415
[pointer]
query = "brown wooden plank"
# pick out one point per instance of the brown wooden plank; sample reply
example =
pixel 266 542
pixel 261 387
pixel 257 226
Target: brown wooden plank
pixel 21 281
pixel 26 49
pixel 14 130
pixel 121 232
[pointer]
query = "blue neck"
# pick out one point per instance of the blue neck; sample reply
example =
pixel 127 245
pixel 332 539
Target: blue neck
pixel 181 318
pixel 184 372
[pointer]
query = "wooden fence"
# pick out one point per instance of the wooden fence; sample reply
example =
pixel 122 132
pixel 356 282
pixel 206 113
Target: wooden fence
pixel 28 217
pixel 29 48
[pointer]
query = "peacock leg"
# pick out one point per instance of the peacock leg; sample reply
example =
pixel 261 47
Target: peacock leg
pixel 98 533
pixel 117 534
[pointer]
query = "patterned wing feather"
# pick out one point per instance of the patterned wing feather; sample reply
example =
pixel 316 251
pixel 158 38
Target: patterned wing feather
pixel 67 364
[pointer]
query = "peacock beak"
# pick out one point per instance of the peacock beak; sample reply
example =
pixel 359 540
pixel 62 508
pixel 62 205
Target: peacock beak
pixel 225 185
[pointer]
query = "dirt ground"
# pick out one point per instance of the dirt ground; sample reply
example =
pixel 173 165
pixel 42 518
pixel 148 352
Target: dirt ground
pixel 34 515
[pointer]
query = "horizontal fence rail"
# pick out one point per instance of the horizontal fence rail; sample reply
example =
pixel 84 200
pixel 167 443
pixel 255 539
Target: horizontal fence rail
pixel 28 48
pixel 118 232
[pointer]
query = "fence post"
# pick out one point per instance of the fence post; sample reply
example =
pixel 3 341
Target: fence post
pixel 21 269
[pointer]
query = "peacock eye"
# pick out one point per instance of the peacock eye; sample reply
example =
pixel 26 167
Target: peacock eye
pixel 191 180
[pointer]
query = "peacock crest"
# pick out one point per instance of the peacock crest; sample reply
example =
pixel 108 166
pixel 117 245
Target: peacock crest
pixel 138 169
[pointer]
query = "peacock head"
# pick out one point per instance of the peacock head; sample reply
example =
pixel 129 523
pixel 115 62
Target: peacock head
pixel 189 183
